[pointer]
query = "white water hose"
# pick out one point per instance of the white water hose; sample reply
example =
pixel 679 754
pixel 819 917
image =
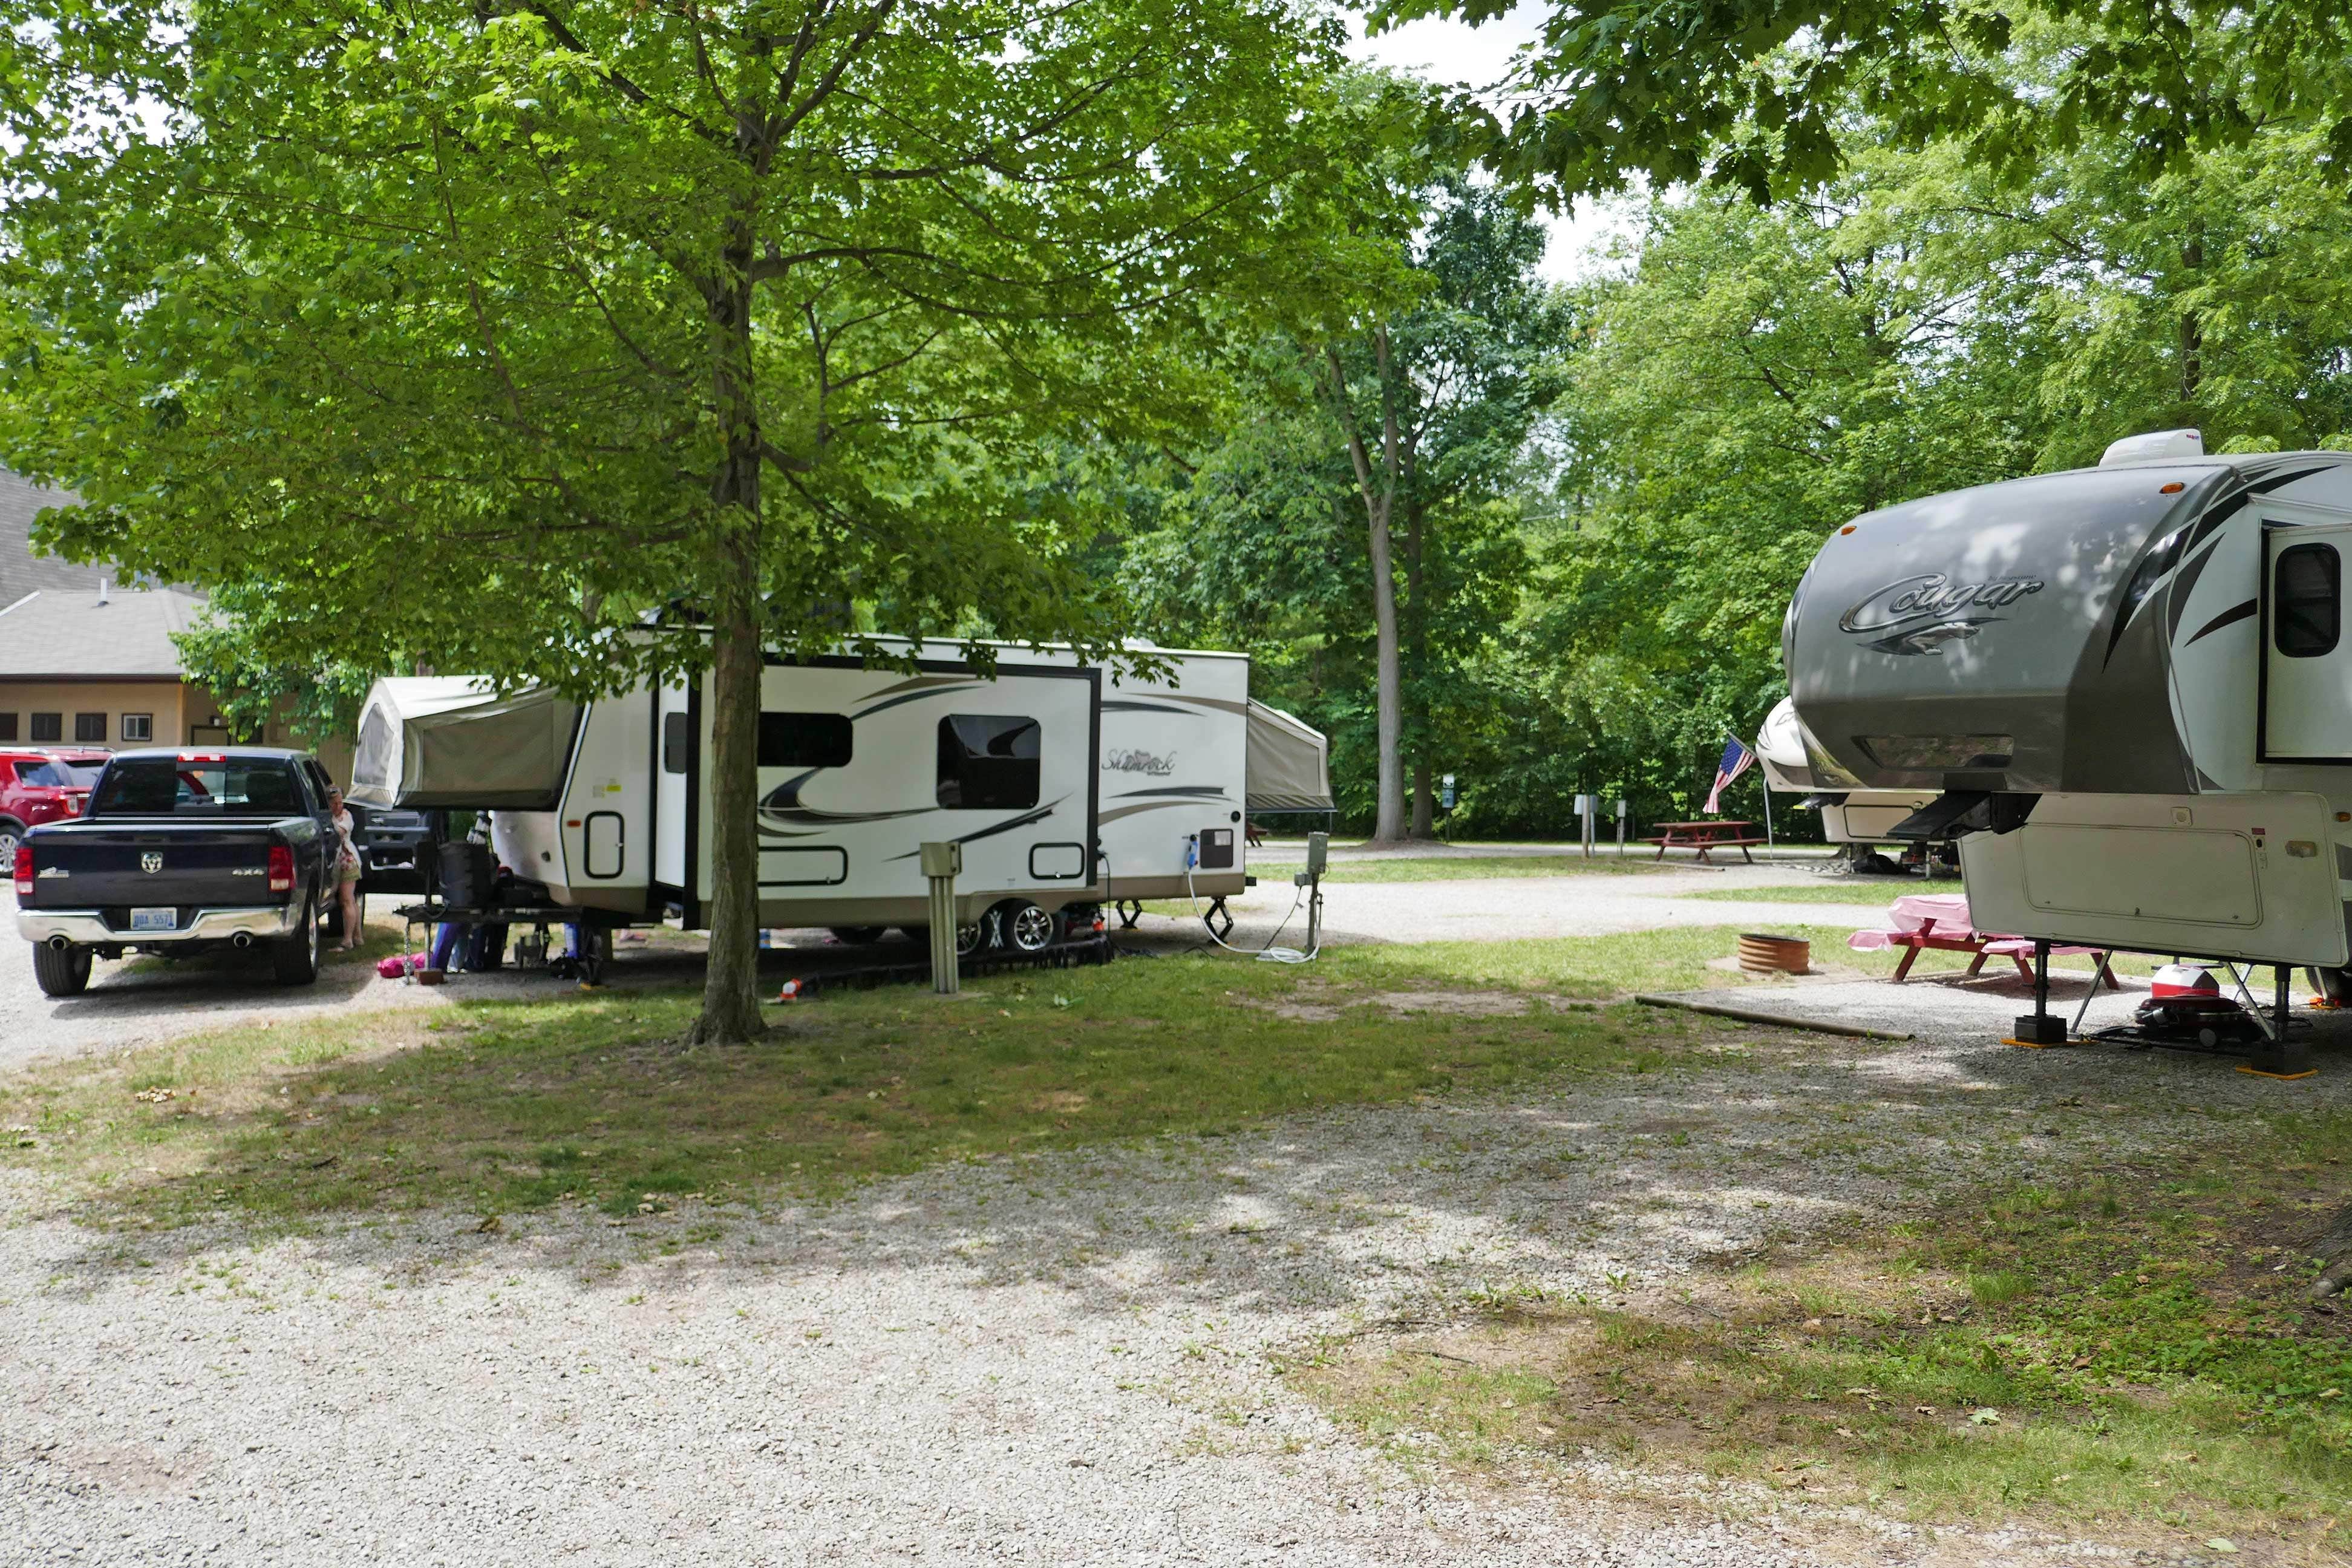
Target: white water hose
pixel 1269 953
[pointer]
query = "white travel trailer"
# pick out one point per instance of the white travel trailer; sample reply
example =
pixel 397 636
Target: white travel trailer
pixel 1848 815
pixel 608 803
pixel 2128 687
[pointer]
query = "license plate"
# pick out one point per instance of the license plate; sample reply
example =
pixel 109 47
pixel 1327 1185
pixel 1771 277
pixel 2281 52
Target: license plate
pixel 155 920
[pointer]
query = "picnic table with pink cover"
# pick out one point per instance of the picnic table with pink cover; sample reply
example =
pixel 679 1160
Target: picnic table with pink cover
pixel 1941 921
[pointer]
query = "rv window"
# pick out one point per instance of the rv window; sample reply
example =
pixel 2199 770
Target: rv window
pixel 804 740
pixel 674 739
pixel 987 760
pixel 2306 586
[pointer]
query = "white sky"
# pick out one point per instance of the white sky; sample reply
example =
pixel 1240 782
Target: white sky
pixel 1451 52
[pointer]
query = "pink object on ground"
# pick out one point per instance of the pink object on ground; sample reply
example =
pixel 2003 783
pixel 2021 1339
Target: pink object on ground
pixel 396 966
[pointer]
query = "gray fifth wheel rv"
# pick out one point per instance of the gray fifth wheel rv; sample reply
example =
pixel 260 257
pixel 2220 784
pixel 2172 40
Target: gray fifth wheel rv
pixel 2127 687
pixel 608 803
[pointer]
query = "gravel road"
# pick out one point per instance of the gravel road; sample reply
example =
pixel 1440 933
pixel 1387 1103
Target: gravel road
pixel 1500 908
pixel 1058 1359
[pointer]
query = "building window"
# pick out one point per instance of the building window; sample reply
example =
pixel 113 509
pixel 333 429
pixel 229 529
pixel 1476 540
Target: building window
pixel 987 761
pixel 140 727
pixel 48 726
pixel 91 728
pixel 7 726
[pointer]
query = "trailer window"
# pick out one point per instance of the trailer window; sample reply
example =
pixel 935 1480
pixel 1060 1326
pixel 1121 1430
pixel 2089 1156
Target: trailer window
pixel 674 739
pixel 987 761
pixel 2306 591
pixel 805 740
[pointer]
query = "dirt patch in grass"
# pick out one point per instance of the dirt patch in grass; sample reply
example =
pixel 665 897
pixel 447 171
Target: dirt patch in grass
pixel 1315 1003
pixel 2134 1359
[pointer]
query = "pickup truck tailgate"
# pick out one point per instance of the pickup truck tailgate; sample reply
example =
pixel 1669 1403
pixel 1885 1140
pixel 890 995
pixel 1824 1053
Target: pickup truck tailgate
pixel 87 866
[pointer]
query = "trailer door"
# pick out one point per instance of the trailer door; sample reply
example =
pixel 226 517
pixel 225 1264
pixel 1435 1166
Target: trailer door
pixel 2306 658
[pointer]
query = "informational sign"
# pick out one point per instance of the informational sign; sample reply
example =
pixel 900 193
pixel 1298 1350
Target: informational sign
pixel 1445 792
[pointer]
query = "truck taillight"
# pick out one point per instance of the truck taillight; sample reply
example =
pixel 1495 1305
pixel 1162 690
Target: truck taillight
pixel 281 869
pixel 24 870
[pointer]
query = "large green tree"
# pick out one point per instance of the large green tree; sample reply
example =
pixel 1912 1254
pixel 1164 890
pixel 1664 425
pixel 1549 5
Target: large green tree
pixel 1359 527
pixel 1763 95
pixel 596 340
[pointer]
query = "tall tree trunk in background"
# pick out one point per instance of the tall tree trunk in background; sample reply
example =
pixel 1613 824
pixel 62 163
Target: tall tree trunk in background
pixel 2193 329
pixel 730 996
pixel 1416 609
pixel 1380 495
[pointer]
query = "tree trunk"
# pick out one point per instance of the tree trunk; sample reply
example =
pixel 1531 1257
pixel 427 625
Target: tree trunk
pixel 1380 501
pixel 1416 629
pixel 731 994
pixel 2192 330
pixel 1389 823
pixel 730 985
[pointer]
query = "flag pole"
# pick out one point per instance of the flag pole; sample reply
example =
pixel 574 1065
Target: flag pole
pixel 1761 778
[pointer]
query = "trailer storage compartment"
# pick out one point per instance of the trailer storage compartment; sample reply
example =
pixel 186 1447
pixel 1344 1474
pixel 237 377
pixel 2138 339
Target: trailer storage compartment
pixel 457 742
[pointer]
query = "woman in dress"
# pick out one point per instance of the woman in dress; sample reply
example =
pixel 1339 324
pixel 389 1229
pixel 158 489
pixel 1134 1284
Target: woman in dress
pixel 346 871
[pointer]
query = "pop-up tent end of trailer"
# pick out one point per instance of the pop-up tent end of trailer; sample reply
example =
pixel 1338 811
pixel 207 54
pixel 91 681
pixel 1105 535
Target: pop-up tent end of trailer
pixel 431 742
pixel 1289 763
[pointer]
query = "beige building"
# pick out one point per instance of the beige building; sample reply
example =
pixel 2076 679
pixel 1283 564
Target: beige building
pixel 87 662
pixel 96 667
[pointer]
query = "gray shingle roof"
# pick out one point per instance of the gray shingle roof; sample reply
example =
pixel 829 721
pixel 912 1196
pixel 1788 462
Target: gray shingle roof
pixel 69 632
pixel 21 571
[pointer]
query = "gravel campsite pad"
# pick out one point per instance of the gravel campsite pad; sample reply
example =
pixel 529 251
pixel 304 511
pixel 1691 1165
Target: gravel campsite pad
pixel 1070 1357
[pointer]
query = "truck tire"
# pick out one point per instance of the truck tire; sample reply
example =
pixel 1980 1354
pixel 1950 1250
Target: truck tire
pixel 295 956
pixel 65 973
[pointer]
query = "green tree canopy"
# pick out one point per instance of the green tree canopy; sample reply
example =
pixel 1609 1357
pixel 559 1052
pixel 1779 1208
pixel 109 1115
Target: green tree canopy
pixel 1760 95
pixel 591 340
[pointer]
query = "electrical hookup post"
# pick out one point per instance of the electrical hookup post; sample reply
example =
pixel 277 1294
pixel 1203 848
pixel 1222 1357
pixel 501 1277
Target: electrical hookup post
pixel 1588 807
pixel 942 863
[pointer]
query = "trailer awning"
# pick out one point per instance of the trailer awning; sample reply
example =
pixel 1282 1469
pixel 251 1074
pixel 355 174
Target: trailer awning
pixel 455 741
pixel 1289 763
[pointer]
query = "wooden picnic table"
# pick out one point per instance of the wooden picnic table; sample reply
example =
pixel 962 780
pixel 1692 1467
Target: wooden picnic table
pixel 1703 837
pixel 1941 923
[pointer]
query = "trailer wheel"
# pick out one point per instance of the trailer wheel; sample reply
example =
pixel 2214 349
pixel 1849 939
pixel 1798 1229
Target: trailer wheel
pixel 1026 928
pixel 971 937
pixel 857 936
pixel 65 973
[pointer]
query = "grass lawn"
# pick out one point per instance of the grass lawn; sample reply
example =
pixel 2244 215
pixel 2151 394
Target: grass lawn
pixel 2133 1354
pixel 493 1105
pixel 504 1104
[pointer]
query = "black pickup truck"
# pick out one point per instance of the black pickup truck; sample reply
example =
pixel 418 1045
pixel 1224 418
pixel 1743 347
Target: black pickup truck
pixel 179 852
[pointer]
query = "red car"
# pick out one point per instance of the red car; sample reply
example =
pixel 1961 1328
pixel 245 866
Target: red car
pixel 42 786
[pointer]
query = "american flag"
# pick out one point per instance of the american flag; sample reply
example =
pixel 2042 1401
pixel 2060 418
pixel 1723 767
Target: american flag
pixel 1737 760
